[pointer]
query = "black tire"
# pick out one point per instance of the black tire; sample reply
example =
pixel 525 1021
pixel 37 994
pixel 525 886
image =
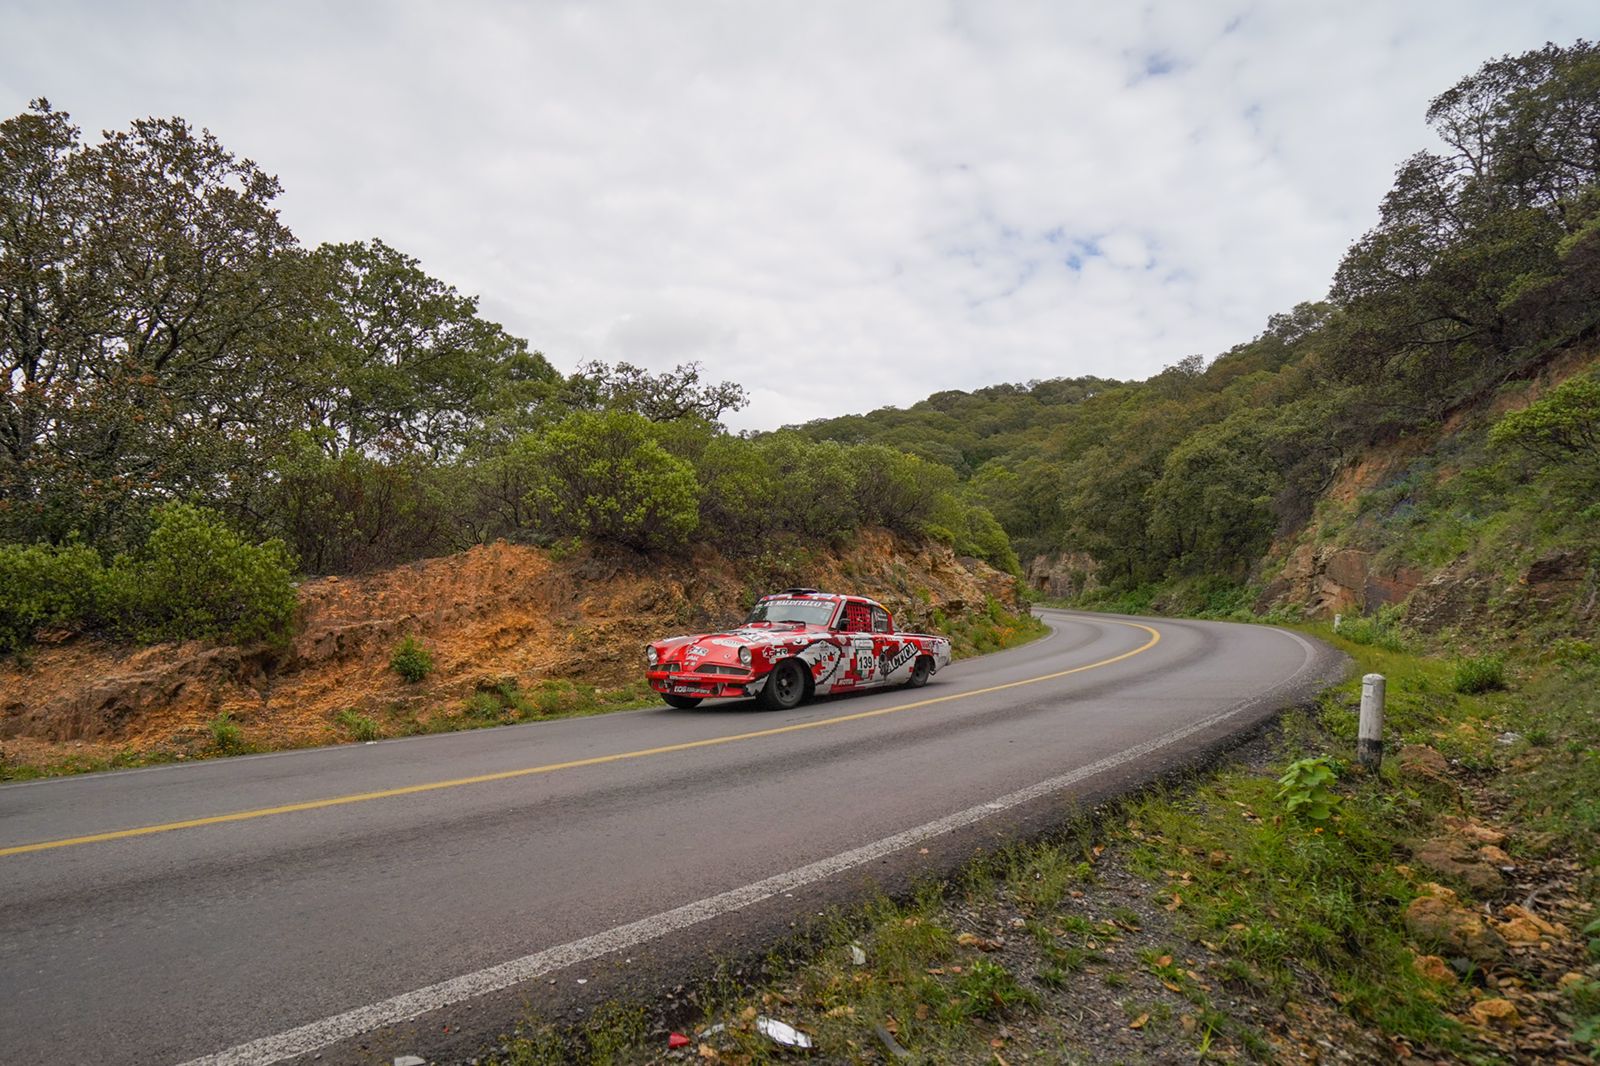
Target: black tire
pixel 683 703
pixel 786 686
pixel 920 672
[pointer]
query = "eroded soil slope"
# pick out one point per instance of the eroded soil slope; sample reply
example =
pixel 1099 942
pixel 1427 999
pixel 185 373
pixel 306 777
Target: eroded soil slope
pixel 496 613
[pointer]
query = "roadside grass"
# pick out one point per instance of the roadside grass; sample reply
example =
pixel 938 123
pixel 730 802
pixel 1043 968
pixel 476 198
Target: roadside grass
pixel 993 629
pixel 925 982
pixel 506 701
pixel 1244 914
pixel 126 759
pixel 357 726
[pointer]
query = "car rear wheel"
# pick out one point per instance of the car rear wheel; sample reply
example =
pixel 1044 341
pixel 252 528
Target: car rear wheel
pixel 920 673
pixel 786 686
pixel 683 703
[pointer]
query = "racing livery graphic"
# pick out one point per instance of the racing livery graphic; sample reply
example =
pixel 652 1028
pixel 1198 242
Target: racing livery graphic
pixel 795 644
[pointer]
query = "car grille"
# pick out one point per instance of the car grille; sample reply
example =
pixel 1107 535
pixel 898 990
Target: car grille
pixel 670 668
pixel 718 668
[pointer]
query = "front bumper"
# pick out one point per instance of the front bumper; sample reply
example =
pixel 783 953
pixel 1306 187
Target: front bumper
pixel 722 683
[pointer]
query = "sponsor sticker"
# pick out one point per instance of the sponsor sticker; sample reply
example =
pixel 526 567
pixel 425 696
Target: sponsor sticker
pixel 890 663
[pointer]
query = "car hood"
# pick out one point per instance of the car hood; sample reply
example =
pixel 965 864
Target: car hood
pixel 716 646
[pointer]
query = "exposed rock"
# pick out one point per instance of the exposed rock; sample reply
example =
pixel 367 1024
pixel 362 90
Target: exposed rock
pixel 1328 580
pixel 1435 890
pixel 1434 969
pixel 1457 859
pixel 1449 600
pixel 1515 912
pixel 1424 768
pixel 1559 584
pixel 1473 830
pixel 1438 921
pixel 1347 568
pixel 1496 1014
pixel 1494 856
pixel 1423 760
pixel 1519 931
pixel 1065 576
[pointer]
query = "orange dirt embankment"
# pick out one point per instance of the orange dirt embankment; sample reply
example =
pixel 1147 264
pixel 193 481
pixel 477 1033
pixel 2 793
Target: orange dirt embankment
pixel 498 612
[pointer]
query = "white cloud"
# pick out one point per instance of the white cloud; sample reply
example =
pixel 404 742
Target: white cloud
pixel 840 205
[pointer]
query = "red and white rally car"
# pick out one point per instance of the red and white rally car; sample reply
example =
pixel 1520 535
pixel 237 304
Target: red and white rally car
pixel 795 644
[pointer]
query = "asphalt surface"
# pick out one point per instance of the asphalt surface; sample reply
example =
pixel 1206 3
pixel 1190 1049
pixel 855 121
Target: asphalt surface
pixel 285 934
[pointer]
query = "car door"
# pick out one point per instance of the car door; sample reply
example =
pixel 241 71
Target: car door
pixel 888 648
pixel 856 643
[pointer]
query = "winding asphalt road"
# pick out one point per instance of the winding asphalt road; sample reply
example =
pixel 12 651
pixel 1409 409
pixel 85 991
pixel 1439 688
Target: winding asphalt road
pixel 276 907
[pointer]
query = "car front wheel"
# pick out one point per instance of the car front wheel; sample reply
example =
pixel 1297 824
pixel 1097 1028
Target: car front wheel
pixel 920 673
pixel 786 686
pixel 683 703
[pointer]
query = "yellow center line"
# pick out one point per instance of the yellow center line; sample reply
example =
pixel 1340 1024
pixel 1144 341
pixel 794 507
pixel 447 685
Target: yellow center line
pixel 597 760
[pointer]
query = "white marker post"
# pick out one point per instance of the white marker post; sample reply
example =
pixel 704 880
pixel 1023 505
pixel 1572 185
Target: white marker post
pixel 1369 739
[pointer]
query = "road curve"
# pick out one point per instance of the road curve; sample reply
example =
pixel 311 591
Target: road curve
pixel 270 907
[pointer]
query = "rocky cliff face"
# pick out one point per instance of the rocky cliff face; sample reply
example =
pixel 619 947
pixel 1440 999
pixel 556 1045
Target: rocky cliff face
pixel 1387 501
pixel 495 613
pixel 1063 576
pixel 1325 580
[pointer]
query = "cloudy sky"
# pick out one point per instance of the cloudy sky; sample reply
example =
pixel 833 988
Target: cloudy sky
pixel 840 205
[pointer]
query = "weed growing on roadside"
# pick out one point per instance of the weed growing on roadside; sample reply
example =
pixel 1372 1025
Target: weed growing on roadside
pixel 1307 789
pixel 995 629
pixel 986 989
pixel 483 707
pixel 226 736
pixel 411 660
pixel 1042 875
pixel 1381 630
pixel 357 725
pixel 1485 673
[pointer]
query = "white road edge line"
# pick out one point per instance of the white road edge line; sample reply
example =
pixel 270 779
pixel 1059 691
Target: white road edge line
pixel 308 1038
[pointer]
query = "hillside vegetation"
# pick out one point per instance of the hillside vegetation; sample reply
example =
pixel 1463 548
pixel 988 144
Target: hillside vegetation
pixel 178 373
pixel 1375 420
pixel 499 633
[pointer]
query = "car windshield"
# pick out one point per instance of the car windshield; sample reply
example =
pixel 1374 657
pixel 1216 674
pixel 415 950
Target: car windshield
pixel 809 612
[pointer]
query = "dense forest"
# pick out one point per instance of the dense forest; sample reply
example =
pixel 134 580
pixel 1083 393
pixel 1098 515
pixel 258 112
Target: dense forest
pixel 197 408
pixel 1484 267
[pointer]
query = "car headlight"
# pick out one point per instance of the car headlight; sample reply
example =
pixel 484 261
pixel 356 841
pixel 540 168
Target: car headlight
pixel 744 656
pixel 650 655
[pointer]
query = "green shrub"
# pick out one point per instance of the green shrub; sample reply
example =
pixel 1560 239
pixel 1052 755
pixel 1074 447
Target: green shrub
pixel 411 660
pixel 983 537
pixel 42 586
pixel 604 476
pixel 226 736
pixel 483 706
pixel 1569 651
pixel 986 989
pixel 1306 789
pixel 1563 426
pixel 1484 673
pixel 195 577
pixel 359 726
pixel 1381 630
